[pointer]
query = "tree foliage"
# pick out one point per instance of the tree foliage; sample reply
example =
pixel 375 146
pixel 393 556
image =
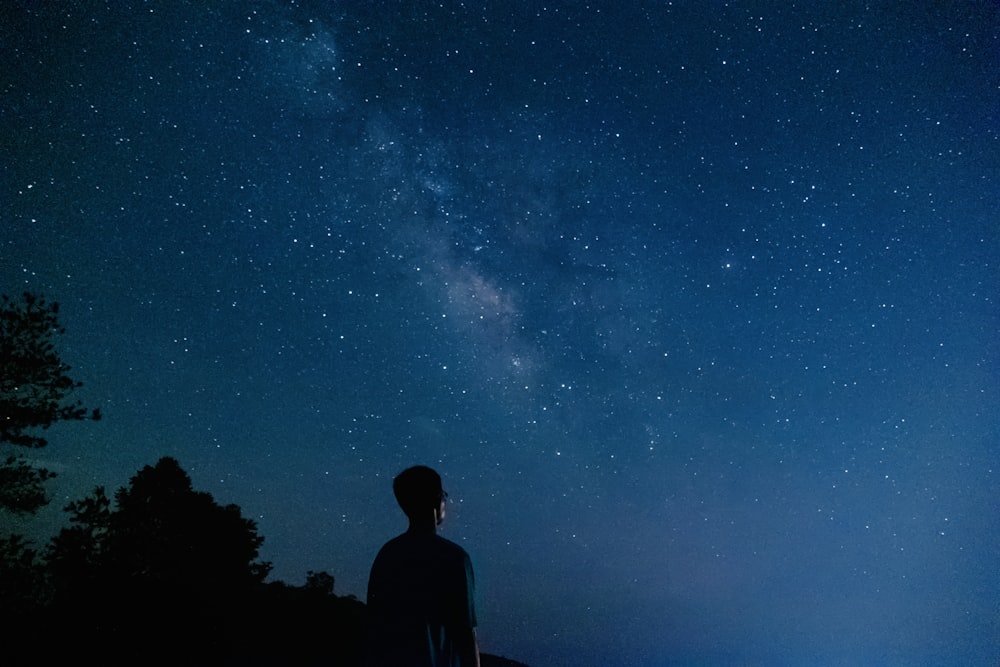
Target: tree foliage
pixel 161 534
pixel 160 565
pixel 34 381
pixel 22 485
pixel 167 532
pixel 20 576
pixel 75 557
pixel 34 394
pixel 319 582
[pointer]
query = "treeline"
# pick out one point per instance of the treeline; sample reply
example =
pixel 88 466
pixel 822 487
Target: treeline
pixel 163 574
pixel 157 574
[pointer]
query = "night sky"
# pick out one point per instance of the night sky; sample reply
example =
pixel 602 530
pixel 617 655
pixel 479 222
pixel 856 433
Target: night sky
pixel 694 306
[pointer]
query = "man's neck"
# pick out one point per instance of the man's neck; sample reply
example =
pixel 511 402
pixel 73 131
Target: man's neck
pixel 427 526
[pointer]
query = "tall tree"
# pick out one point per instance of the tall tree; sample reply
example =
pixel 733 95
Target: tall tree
pixel 34 394
pixel 162 568
pixel 75 556
pixel 166 532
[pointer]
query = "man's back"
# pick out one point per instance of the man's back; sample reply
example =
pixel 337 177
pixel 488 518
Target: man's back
pixel 420 603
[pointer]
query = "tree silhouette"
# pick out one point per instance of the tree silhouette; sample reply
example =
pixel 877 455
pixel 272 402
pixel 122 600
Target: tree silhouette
pixel 20 577
pixel 75 556
pixel 34 390
pixel 320 582
pixel 22 485
pixel 166 532
pixel 159 574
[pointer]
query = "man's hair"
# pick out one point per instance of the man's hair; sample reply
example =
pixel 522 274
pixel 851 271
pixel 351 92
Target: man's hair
pixel 417 489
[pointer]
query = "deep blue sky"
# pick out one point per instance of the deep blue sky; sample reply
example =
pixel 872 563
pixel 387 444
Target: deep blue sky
pixel 694 306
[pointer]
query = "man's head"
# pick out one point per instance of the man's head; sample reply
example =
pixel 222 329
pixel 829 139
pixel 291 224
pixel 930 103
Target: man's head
pixel 418 491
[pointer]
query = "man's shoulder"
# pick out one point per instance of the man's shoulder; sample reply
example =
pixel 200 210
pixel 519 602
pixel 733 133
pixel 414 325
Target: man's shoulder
pixel 411 542
pixel 448 546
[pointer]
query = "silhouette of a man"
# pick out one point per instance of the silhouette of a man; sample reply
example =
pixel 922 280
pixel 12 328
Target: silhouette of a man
pixel 421 609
